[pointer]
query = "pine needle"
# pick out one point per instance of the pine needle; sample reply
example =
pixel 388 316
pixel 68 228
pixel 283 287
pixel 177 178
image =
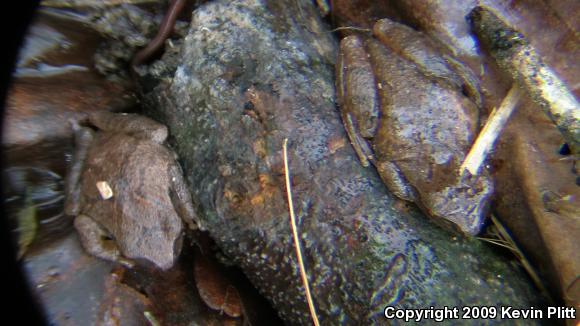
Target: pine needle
pixel 350 28
pixel 296 240
pixel 505 240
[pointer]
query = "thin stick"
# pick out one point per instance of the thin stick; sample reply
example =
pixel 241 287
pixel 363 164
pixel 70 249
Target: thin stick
pixel 490 132
pixel 295 234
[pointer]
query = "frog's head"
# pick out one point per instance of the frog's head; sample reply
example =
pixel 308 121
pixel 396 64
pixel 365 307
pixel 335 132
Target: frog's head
pixel 462 206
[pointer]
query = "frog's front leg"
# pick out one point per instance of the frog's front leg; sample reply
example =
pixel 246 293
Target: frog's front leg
pixel 396 181
pixel 83 139
pixel 133 125
pixel 360 145
pixel 357 98
pixel 181 198
pixel 97 241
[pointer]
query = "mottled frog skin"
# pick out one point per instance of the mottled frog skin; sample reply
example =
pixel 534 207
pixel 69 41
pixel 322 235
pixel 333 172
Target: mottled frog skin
pixel 412 111
pixel 150 201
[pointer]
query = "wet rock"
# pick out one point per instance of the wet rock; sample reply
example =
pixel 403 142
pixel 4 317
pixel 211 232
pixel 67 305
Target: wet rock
pixel 253 73
pixel 55 81
pixel 68 282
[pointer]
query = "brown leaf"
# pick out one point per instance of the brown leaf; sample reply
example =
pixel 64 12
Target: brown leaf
pixel 214 288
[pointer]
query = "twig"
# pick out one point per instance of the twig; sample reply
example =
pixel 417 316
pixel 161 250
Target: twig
pixel 151 319
pixel 490 132
pixel 165 30
pixel 295 234
pixel 514 54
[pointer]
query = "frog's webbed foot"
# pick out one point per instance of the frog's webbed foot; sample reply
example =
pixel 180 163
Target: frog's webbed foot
pixel 97 242
pixel 133 125
pixel 396 181
pixel 83 139
pixel 361 146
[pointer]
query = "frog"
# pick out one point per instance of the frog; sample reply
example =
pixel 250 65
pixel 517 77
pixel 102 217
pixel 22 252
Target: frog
pixel 412 110
pixel 126 190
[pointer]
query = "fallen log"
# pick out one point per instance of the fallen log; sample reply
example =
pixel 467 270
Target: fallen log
pixel 249 75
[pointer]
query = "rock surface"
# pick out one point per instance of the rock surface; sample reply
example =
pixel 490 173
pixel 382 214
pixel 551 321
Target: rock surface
pixel 55 82
pixel 252 73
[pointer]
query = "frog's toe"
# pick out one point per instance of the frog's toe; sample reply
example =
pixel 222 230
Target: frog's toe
pixel 95 240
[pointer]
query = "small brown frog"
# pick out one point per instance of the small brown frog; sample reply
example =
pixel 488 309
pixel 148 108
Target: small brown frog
pixel 127 191
pixel 413 113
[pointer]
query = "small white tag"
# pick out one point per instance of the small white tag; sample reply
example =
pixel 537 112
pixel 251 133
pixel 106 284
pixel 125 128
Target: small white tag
pixel 105 190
